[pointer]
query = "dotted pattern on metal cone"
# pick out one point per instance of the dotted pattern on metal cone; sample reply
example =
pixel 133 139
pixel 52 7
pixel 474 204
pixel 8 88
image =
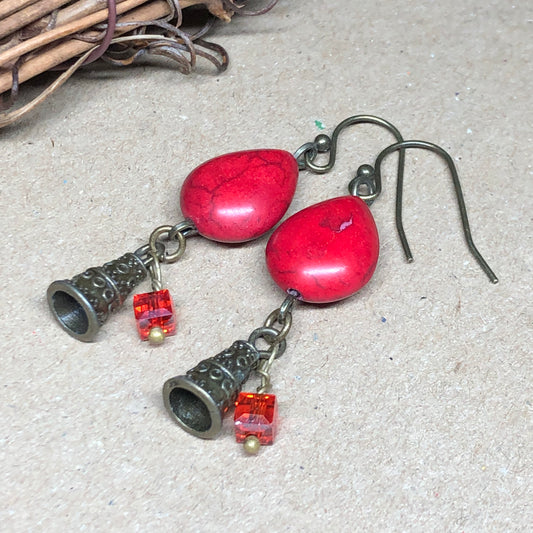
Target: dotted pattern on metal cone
pixel 107 287
pixel 82 304
pixel 223 373
pixel 199 400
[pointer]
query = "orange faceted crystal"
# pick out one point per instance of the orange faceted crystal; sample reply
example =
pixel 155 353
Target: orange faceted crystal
pixel 257 415
pixel 154 310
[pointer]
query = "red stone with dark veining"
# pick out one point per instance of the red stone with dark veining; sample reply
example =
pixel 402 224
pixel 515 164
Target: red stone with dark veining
pixel 239 196
pixel 327 251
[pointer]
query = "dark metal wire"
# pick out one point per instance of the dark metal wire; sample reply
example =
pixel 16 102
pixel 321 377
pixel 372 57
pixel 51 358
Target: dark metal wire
pixel 351 121
pixel 309 152
pixel 370 177
pixel 402 146
pixel 274 333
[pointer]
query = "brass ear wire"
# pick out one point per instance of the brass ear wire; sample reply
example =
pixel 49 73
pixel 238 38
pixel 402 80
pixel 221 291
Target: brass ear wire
pixel 306 154
pixel 367 183
pixel 402 146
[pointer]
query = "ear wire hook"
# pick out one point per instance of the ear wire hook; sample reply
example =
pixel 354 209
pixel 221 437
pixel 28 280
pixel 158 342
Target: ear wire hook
pixel 402 146
pixel 331 144
pixel 365 174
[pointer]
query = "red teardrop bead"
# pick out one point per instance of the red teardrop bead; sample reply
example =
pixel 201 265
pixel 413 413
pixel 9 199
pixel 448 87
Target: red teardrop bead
pixel 327 251
pixel 239 196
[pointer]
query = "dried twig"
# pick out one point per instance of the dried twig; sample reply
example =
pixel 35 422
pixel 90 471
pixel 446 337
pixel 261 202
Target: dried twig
pixel 41 35
pixel 8 7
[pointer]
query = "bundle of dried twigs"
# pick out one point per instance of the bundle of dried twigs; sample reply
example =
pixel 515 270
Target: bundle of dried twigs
pixel 37 36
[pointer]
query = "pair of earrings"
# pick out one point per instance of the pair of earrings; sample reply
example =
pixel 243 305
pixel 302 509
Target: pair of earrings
pixel 324 253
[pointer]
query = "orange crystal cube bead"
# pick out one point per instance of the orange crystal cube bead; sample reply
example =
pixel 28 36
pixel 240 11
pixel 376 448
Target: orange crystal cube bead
pixel 256 414
pixel 154 310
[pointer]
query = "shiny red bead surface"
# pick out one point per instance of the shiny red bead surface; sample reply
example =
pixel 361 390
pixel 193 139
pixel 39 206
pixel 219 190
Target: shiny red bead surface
pixel 257 415
pixel 327 251
pixel 154 309
pixel 239 196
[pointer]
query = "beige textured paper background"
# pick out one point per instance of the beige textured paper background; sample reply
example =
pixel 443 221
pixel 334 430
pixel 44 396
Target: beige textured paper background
pixel 405 408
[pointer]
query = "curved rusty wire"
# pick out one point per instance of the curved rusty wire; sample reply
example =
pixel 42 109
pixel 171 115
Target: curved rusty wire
pixel 241 10
pixel 108 36
pixel 161 37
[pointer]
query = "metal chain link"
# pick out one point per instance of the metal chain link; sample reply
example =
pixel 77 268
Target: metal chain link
pixel 307 150
pixel 275 337
pixel 307 153
pixel 158 235
pixel 155 252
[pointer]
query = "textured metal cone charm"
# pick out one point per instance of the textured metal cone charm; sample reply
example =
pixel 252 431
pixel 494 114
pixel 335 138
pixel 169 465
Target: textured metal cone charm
pixel 82 304
pixel 199 400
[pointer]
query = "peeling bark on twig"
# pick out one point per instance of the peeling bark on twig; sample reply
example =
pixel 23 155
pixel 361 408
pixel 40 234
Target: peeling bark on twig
pixel 40 35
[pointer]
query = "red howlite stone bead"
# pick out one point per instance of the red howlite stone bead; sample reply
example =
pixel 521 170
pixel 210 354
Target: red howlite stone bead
pixel 239 196
pixel 327 251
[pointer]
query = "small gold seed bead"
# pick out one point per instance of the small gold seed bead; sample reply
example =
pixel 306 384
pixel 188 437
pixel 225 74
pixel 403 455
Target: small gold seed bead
pixel 251 444
pixel 156 336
